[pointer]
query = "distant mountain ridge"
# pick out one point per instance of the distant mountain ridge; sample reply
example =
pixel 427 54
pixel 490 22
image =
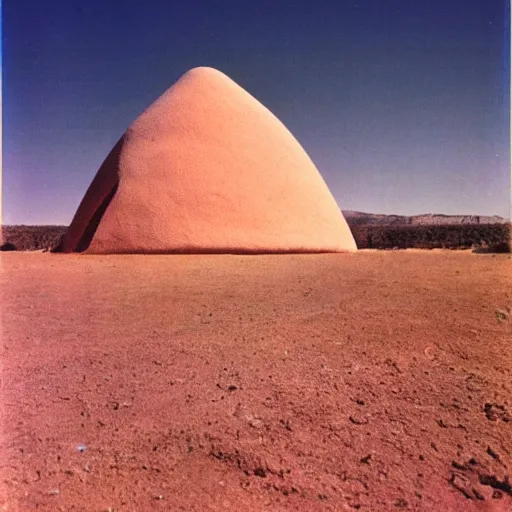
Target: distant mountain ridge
pixel 355 218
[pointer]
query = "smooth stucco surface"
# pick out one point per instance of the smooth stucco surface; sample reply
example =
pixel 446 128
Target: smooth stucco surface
pixel 207 168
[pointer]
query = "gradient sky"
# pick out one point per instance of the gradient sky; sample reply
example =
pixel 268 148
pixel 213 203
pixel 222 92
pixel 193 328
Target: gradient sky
pixel 402 105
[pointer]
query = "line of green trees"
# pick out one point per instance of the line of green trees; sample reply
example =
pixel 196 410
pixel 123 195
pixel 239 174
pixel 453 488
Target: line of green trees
pixel 490 237
pixel 495 237
pixel 31 238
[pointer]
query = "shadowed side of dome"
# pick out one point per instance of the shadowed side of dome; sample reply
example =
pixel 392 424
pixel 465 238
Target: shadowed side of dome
pixel 93 205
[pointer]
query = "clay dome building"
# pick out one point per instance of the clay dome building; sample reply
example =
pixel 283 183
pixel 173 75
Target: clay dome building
pixel 207 169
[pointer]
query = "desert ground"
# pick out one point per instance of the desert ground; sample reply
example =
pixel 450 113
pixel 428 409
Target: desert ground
pixel 374 381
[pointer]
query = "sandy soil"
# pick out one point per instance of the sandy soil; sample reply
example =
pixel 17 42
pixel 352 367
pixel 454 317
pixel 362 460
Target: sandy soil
pixel 373 381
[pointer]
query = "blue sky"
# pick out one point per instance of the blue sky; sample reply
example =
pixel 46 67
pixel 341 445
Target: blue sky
pixel 403 106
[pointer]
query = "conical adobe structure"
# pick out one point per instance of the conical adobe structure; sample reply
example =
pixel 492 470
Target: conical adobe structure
pixel 207 169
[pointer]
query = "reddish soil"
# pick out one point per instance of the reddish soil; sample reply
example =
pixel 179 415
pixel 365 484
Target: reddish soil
pixel 374 381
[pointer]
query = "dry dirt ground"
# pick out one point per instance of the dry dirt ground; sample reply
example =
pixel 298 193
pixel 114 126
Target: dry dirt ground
pixel 373 381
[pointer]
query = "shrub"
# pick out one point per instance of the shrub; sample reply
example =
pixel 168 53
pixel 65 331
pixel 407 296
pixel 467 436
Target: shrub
pixel 7 247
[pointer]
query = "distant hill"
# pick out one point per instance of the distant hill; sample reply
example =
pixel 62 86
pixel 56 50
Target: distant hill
pixel 429 219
